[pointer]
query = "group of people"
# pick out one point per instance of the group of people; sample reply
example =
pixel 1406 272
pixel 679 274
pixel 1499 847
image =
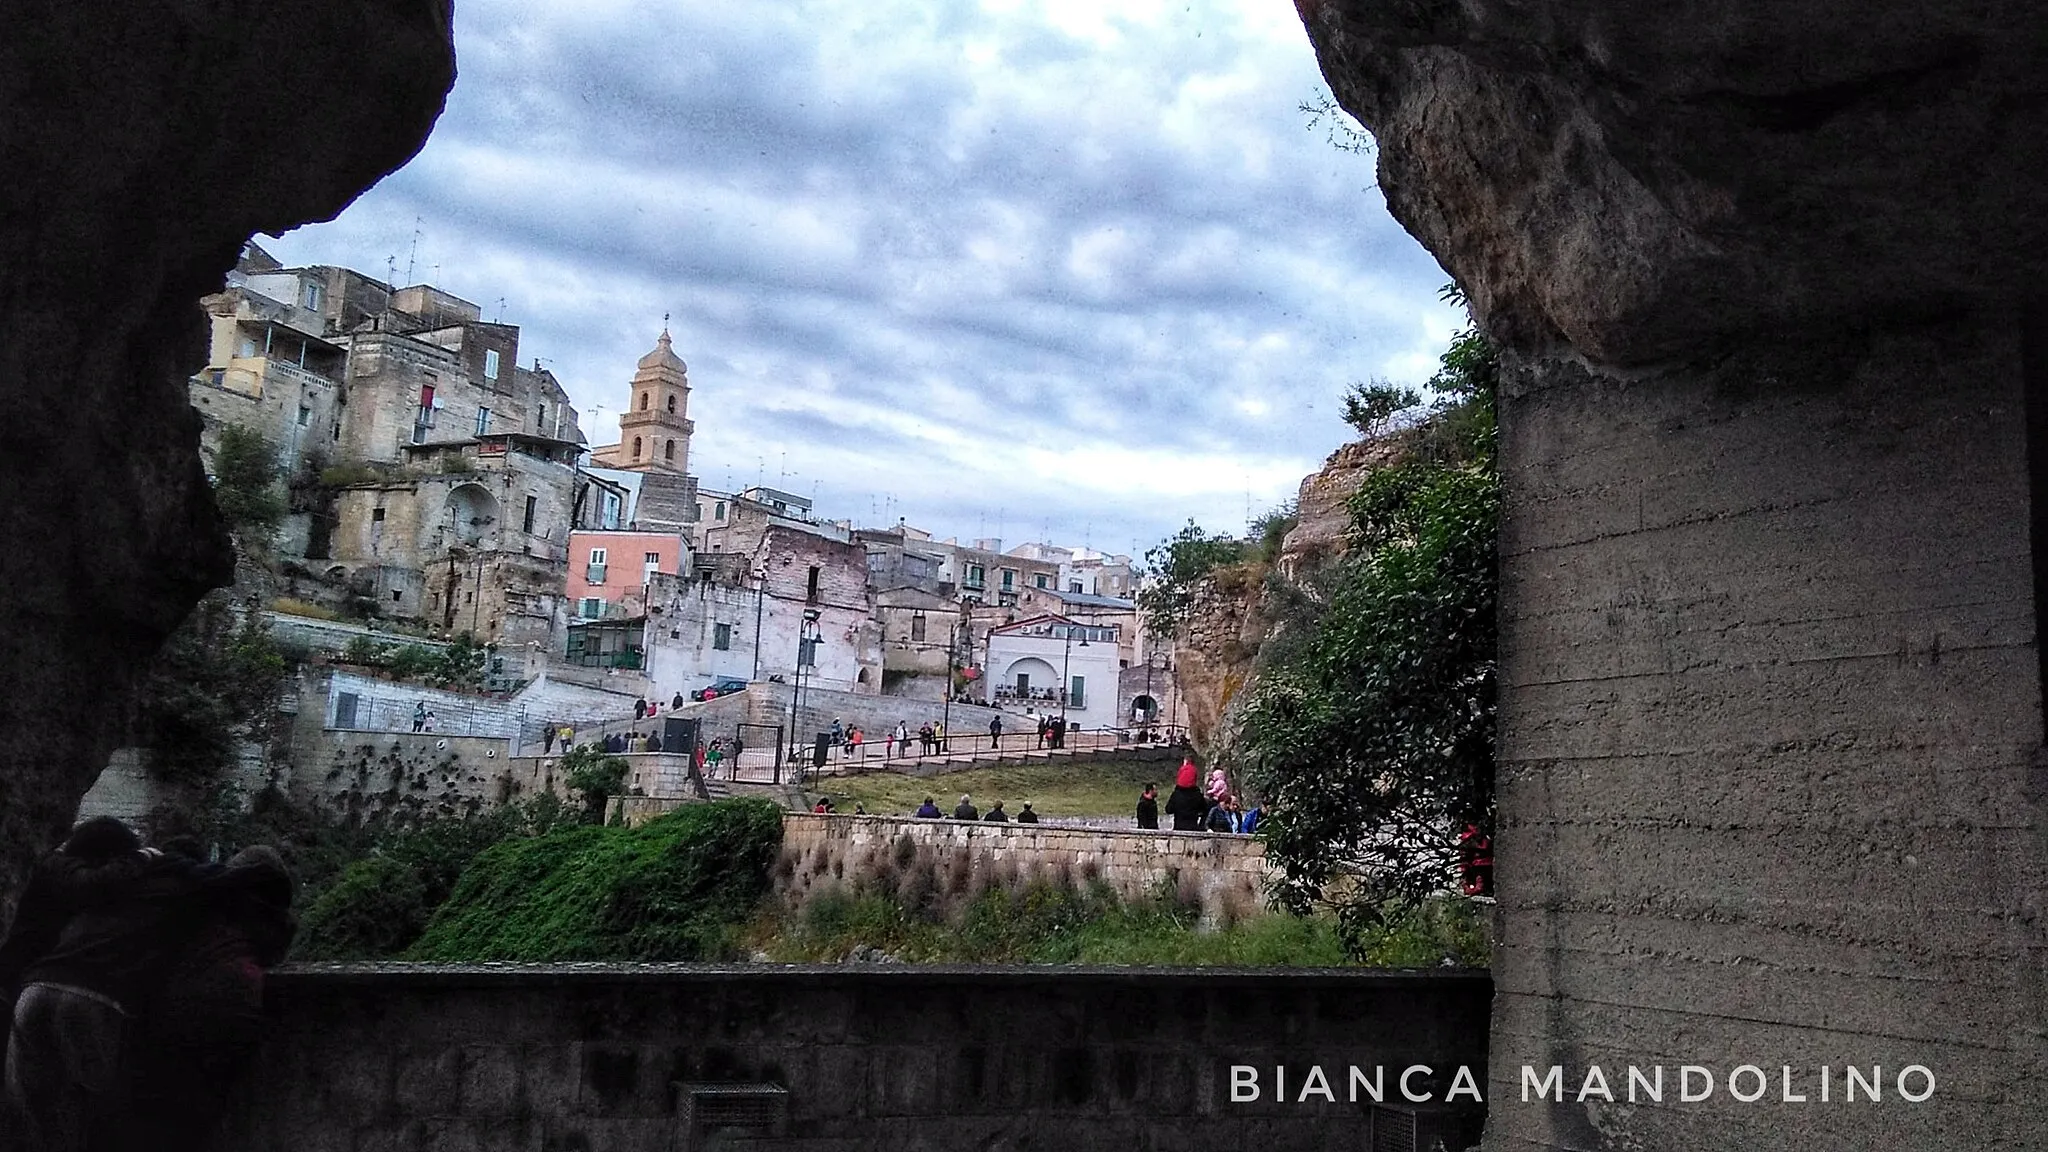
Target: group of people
pixel 1211 807
pixel 622 742
pixel 644 709
pixel 1052 731
pixel 965 810
pixel 133 980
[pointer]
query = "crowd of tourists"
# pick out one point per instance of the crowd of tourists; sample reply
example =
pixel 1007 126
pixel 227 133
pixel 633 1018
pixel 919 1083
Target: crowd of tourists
pixel 133 980
pixel 1211 807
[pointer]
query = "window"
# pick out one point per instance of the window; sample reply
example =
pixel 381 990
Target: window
pixel 490 363
pixel 597 555
pixel 312 296
pixel 247 349
pixel 671 405
pixel 1074 586
pixel 540 419
pixel 974 576
pixel 651 559
pixel 305 415
pixel 424 419
pixel 1041 581
pixel 917 626
pixel 483 421
pixel 532 506
pixel 1009 579
pixel 1077 696
pixel 811 590
pixel 636 447
pixel 721 637
pixel 718 511
pixel 590 607
pixel 670 452
pixel 376 515
pixel 807 652
pixel 345 709
pixel 609 518
pixel 643 401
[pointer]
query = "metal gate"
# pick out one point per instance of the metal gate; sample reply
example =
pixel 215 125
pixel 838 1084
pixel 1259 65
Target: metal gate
pixel 759 748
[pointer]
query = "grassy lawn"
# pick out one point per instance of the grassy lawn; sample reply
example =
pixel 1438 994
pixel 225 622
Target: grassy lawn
pixel 1056 788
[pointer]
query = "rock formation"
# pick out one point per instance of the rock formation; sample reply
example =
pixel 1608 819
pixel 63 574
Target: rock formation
pixel 142 145
pixel 1765 277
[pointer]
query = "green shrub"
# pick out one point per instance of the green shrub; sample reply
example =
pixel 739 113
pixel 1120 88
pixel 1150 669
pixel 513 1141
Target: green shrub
pixel 676 888
pixel 375 909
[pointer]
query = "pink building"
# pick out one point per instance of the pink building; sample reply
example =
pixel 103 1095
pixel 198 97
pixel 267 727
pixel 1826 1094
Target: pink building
pixel 608 571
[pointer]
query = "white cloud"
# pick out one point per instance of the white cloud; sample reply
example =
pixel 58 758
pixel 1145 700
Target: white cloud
pixel 953 260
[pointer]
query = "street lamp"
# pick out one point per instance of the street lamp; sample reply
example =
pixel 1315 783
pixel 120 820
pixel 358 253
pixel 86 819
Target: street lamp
pixel 808 637
pixel 952 651
pixel 1066 681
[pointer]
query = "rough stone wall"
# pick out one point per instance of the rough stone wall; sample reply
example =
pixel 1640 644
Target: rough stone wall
pixel 877 1056
pixel 1213 659
pixel 114 222
pixel 1770 711
pixel 958 859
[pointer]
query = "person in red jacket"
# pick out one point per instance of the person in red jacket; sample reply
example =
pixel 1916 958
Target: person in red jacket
pixel 1475 865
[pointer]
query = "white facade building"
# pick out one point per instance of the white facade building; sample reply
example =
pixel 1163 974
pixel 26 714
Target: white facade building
pixel 1047 661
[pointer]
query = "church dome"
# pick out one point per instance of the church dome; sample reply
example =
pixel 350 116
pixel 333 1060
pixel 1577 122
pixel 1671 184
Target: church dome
pixel 663 356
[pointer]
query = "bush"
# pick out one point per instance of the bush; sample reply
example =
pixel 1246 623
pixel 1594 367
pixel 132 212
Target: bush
pixel 376 908
pixel 677 888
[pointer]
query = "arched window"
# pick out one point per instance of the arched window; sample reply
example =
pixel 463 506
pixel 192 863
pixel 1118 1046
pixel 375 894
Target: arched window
pixel 671 452
pixel 671 405
pixel 643 401
pixel 636 447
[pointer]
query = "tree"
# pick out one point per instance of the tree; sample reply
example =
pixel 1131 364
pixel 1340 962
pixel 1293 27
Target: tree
pixel 460 664
pixel 215 676
pixel 1174 571
pixel 1370 733
pixel 596 776
pixel 245 484
pixel 1369 407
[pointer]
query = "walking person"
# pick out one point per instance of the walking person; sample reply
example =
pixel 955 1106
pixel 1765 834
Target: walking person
pixel 547 740
pixel 419 715
pixel 995 732
pixel 640 708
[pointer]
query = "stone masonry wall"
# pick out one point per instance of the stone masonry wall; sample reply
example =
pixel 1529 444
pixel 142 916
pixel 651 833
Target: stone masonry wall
pixel 857 1057
pixel 1770 741
pixel 953 859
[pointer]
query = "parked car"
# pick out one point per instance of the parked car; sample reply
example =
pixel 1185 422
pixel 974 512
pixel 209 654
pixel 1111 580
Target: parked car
pixel 723 686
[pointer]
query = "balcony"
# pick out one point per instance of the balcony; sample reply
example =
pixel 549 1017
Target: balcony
pixel 594 574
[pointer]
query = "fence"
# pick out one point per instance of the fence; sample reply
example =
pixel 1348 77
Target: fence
pixel 420 712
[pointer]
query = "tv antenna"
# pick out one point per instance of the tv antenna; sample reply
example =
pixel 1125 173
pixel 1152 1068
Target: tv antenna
pixel 413 254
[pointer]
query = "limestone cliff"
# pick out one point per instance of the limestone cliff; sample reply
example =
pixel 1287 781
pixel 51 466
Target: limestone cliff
pixel 1231 622
pixel 142 145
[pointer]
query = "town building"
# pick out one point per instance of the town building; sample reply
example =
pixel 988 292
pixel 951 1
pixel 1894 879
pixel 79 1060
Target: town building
pixel 1051 664
pixel 654 440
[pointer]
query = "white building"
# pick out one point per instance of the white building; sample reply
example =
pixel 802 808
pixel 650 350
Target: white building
pixel 1032 661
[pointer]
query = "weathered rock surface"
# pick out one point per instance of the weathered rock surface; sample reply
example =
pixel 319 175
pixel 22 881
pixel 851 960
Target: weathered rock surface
pixel 1771 549
pixel 1322 503
pixel 142 144
pixel 1643 186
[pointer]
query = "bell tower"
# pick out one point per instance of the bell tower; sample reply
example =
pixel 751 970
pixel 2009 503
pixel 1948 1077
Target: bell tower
pixel 654 431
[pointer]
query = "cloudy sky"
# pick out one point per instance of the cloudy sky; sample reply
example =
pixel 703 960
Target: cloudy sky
pixel 1017 268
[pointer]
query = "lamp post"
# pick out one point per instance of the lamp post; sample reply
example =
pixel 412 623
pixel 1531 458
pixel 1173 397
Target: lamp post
pixel 808 637
pixel 1066 663
pixel 952 650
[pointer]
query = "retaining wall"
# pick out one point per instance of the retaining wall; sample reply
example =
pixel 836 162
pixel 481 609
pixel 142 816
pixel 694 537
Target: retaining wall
pixel 955 858
pixel 647 1058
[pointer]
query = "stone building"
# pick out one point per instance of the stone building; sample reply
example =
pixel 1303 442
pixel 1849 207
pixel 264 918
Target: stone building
pixel 698 628
pixel 817 608
pixel 1053 664
pixel 471 536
